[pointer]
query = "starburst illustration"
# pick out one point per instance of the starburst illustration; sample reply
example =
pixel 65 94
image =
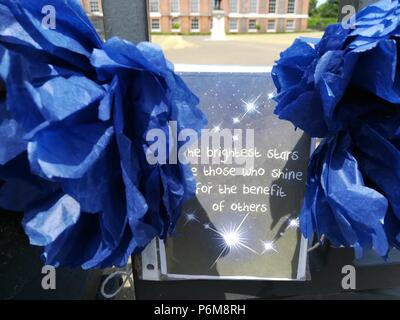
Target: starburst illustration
pixel 289 223
pixel 235 120
pixel 217 128
pixel 251 106
pixel 190 217
pixel 271 95
pixel 232 237
pixel 268 246
pixel 207 226
pixel 293 223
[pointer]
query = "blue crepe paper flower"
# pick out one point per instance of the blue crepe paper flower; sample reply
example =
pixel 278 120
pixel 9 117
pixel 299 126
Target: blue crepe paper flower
pixel 345 89
pixel 73 122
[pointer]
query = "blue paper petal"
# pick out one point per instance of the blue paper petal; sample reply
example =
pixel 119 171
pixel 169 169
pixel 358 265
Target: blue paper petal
pixel 339 204
pixel 11 137
pixel 68 152
pixel 44 224
pixel 346 89
pixel 73 123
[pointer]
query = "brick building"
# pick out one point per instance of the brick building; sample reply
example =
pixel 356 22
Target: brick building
pixel 241 15
pixel 196 15
pixel 94 10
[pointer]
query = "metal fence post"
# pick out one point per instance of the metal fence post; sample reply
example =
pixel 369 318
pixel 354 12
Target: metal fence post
pixel 127 19
pixel 357 4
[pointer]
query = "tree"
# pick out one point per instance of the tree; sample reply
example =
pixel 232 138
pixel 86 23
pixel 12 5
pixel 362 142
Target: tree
pixel 329 9
pixel 312 9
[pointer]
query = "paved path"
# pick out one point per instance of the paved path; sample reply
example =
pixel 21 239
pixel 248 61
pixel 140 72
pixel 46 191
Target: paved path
pixel 236 49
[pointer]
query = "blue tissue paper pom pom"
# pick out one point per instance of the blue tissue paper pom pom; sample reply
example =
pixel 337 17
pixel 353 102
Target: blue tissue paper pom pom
pixel 345 89
pixel 74 114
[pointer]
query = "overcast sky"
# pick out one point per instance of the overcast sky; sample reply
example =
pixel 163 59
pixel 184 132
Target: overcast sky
pixel 320 2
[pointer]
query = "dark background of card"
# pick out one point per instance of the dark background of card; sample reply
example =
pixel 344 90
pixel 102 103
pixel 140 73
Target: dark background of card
pixel 194 249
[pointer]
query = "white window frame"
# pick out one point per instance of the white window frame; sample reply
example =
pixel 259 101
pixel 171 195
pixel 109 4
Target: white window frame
pixel 271 30
pixel 237 6
pixel 172 22
pixel 159 25
pixel 197 9
pixel 290 29
pixel 294 7
pixel 178 6
pixel 96 4
pixel 236 29
pixel 255 26
pixel 198 25
pixel 152 3
pixel 269 6
pixel 250 7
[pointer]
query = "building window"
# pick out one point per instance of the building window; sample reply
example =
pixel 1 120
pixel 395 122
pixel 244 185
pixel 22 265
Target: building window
pixel 271 25
pixel 175 6
pixel 290 6
pixel 154 6
pixel 94 6
pixel 155 25
pixel 175 25
pixel 195 6
pixel 195 26
pixel 289 25
pixel 233 6
pixel 253 6
pixel 272 6
pixel 252 25
pixel 98 25
pixel 233 25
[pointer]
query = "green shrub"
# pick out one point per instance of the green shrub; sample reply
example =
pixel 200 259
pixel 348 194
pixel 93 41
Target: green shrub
pixel 319 23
